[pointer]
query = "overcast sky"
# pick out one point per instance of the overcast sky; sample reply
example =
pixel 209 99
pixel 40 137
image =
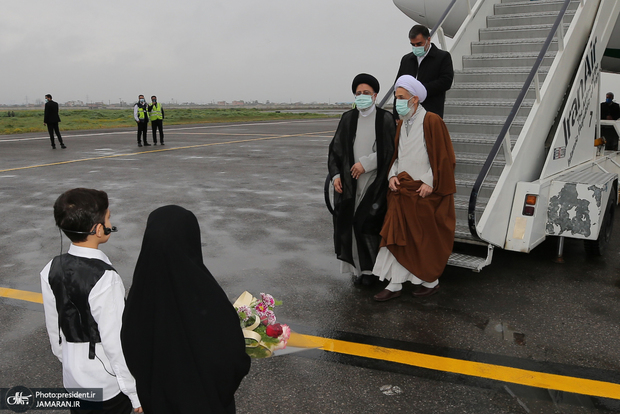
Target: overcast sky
pixel 197 50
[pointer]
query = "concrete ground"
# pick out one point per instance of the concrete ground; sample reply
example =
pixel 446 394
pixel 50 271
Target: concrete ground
pixel 257 190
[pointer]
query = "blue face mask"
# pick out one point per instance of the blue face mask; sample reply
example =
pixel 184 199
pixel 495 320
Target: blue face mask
pixel 419 51
pixel 608 100
pixel 363 101
pixel 141 100
pixel 402 107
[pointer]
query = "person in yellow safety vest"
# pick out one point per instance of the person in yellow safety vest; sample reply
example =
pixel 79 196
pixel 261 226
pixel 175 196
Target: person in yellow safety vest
pixel 141 116
pixel 156 115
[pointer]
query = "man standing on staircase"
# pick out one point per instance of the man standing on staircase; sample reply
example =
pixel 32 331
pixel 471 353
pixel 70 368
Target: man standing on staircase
pixel 418 231
pixel 610 111
pixel 431 66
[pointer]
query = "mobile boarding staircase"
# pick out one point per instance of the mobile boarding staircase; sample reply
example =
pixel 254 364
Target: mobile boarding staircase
pixel 516 63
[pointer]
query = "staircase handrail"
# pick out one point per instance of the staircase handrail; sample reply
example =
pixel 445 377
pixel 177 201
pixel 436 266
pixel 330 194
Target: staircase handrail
pixel 442 40
pixel 504 133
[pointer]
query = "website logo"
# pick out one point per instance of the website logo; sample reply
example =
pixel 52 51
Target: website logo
pixel 19 399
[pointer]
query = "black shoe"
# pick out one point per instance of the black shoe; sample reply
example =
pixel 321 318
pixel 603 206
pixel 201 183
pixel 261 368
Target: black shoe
pixel 154 143
pixel 139 144
pixel 53 146
pixel 146 144
pixel 368 280
pixel 162 143
pixel 63 146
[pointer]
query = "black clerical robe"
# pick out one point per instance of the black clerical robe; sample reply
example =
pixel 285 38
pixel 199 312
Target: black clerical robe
pixel 365 221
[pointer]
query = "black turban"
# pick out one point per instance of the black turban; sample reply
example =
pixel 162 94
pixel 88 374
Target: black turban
pixel 368 80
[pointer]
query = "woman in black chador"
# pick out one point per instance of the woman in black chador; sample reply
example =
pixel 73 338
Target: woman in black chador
pixel 181 335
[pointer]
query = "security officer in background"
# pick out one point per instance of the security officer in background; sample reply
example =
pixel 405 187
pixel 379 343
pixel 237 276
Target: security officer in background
pixel 51 119
pixel 141 116
pixel 156 115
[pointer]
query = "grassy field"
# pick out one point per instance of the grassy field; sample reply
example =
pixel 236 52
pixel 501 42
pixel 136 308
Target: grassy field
pixel 80 119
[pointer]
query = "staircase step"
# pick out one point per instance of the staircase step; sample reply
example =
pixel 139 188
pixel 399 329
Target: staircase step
pixel 490 90
pixel 475 143
pixel 517 32
pixel 501 74
pixel 461 202
pixel 482 124
pixel 500 60
pixel 512 45
pixel 481 139
pixel 492 107
pixel 465 183
pixel 472 163
pixel 467 261
pixel 462 233
pixel 461 205
pixel 531 6
pixel 527 19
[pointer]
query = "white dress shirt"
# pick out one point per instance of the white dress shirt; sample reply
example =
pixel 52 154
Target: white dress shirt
pixel 107 301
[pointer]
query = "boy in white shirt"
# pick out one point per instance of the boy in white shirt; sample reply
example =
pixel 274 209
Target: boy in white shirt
pixel 84 299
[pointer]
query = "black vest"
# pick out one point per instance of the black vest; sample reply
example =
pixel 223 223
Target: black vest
pixel 72 278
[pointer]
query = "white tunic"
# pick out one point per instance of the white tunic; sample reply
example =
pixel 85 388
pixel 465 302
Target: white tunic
pixel 412 154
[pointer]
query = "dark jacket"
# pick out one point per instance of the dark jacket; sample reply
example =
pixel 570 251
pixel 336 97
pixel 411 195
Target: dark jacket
pixel 436 74
pixel 612 109
pixel 367 220
pixel 51 113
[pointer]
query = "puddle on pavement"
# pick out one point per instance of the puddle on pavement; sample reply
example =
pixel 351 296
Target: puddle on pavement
pixel 504 331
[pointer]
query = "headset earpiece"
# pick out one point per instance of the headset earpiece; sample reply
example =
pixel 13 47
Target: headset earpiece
pixel 106 230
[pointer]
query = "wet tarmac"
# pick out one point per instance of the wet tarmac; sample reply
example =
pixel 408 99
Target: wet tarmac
pixel 257 190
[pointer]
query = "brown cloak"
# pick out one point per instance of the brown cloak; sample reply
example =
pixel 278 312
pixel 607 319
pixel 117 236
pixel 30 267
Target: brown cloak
pixel 418 231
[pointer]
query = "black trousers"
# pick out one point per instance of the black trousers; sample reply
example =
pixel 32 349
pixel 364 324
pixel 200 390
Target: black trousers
pixel 142 130
pixel 158 124
pixel 51 128
pixel 117 405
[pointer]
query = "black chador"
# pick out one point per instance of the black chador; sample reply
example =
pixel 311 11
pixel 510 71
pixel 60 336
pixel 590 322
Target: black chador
pixel 366 220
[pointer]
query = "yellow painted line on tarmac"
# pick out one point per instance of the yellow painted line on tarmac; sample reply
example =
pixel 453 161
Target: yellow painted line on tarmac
pixel 458 366
pixel 21 295
pixel 162 150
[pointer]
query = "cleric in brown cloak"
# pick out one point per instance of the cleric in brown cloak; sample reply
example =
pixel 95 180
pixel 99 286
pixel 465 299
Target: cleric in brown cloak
pixel 359 159
pixel 418 232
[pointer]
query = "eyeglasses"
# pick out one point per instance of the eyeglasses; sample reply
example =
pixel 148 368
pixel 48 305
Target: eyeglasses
pixel 369 93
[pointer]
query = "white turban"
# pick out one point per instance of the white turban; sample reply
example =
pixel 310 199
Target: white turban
pixel 412 85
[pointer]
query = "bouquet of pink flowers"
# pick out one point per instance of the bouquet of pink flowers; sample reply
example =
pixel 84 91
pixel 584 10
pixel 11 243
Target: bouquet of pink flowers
pixel 262 334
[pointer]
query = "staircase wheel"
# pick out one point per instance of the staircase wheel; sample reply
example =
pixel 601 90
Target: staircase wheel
pixel 597 247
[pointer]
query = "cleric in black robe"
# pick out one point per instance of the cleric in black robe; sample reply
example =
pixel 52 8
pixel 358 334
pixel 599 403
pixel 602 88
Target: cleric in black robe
pixel 358 163
pixel 181 335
